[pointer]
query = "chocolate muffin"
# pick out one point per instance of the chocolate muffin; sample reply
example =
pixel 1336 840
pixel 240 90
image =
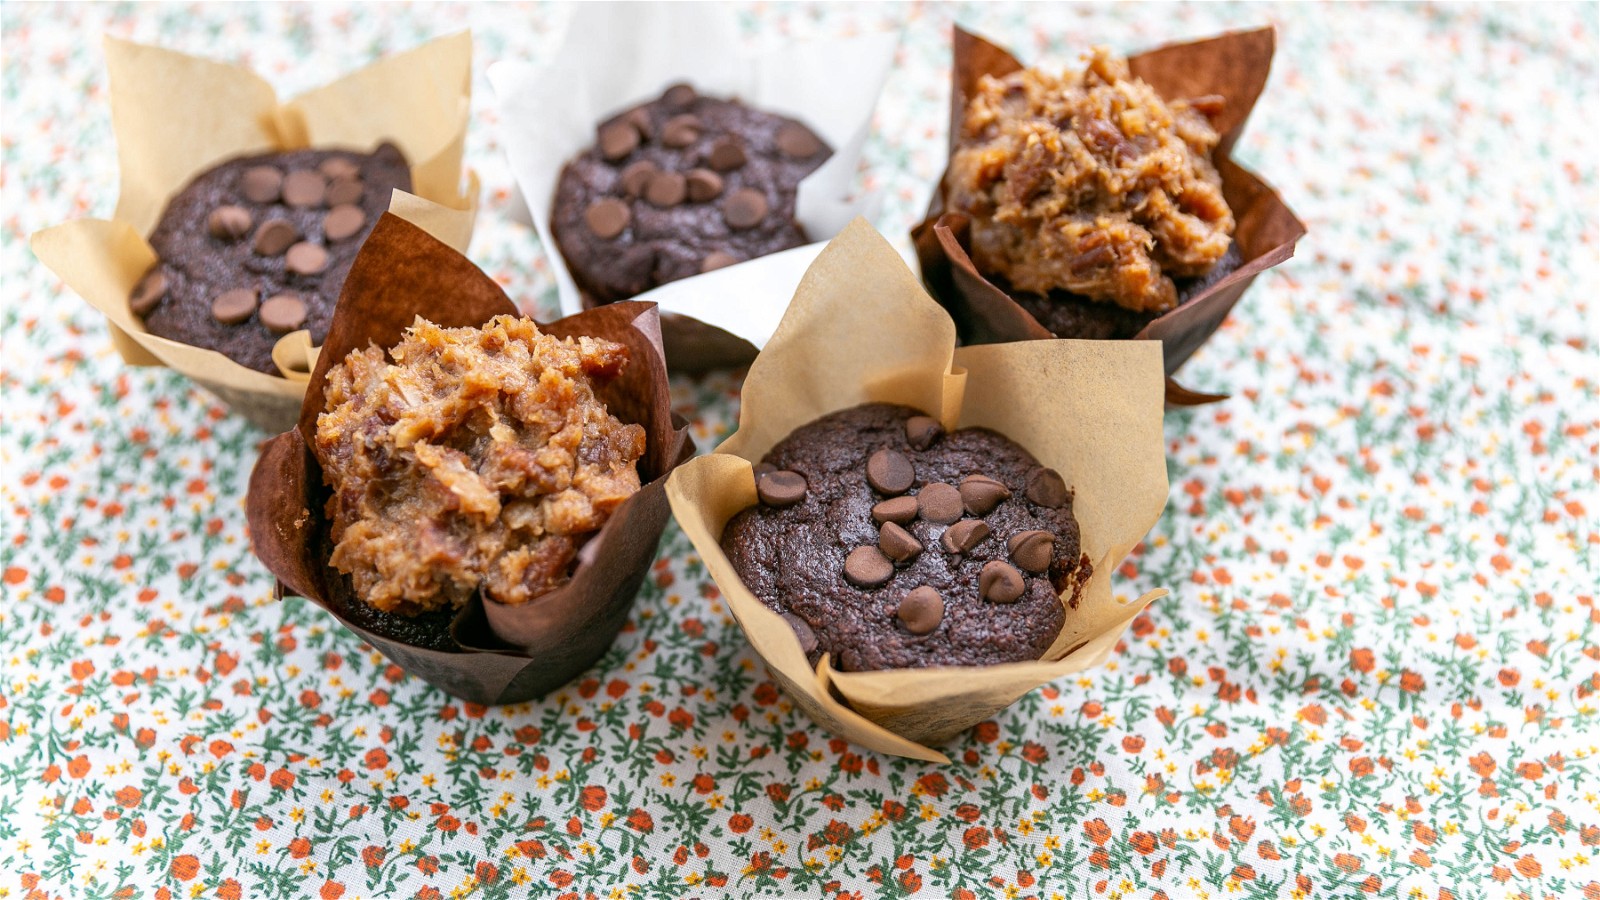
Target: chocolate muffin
pixel 1088 189
pixel 259 246
pixel 887 543
pixel 478 460
pixel 681 185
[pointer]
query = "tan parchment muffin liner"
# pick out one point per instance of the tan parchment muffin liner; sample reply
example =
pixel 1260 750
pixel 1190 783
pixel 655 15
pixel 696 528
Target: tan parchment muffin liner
pixel 177 115
pixel 860 329
pixel 507 653
pixel 1234 66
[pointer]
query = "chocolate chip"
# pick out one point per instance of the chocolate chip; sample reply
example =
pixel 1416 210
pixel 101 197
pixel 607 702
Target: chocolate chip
pixel 335 167
pixel 716 259
pixel 679 96
pixel 681 131
pixel 897 543
pixel 637 176
pixel 999 582
pixel 618 139
pixel 229 223
pixel 980 494
pixel 261 184
pixel 304 189
pixel 233 307
pixel 666 189
pixel 345 190
pixel 1046 488
pixel 763 468
pixel 150 290
pixel 745 208
pixel 726 154
pixel 283 313
pixel 1032 549
pixel 922 610
pixel 343 222
pixel 704 185
pixel 639 118
pixel 797 141
pixel 922 431
pixel 889 472
pixel 306 258
pixel 939 503
pixel 901 510
pixel 964 535
pixel 781 488
pixel 867 567
pixel 607 218
pixel 802 633
pixel 275 236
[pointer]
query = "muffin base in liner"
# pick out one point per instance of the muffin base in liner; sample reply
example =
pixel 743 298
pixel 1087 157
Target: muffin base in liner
pixel 1233 65
pixel 1090 409
pixel 418 99
pixel 507 653
pixel 549 114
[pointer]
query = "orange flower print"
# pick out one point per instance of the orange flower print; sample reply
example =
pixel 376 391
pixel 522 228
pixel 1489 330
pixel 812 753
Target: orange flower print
pixel 593 798
pixel 1097 830
pixel 185 867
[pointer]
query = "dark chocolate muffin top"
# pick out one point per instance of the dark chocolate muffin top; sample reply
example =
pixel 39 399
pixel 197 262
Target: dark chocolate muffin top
pixel 259 246
pixel 1068 315
pixel 678 186
pixel 887 543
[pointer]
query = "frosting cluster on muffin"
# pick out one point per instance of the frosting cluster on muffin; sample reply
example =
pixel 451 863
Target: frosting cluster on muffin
pixel 478 458
pixel 1090 183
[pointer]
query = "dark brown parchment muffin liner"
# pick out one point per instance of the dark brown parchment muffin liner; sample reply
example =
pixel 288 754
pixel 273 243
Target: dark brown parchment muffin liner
pixel 695 347
pixel 496 653
pixel 1234 66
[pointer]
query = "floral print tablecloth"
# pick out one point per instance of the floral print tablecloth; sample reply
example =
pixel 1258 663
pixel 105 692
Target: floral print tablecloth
pixel 1376 673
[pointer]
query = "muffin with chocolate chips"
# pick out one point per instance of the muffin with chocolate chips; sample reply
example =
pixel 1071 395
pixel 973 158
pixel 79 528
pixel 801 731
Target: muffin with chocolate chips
pixel 259 246
pixel 677 186
pixel 886 542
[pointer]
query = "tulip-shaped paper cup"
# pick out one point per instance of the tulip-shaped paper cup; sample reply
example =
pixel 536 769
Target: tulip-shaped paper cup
pixel 617 55
pixel 1092 410
pixel 486 652
pixel 1232 66
pixel 176 116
